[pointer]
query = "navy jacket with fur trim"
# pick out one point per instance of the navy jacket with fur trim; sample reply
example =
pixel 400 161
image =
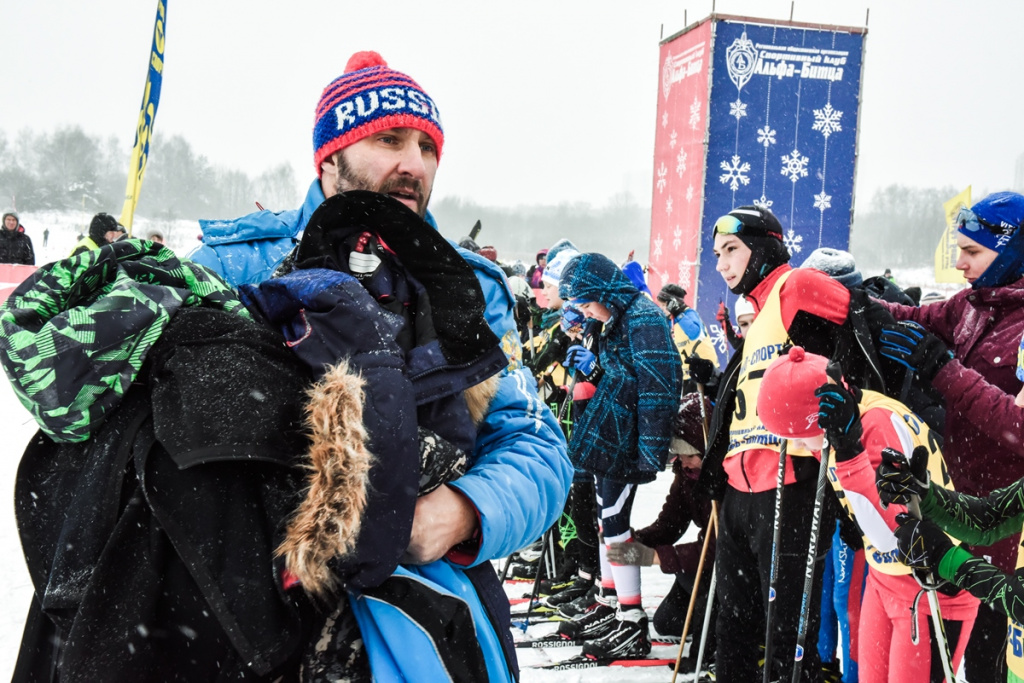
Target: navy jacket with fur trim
pixel 625 431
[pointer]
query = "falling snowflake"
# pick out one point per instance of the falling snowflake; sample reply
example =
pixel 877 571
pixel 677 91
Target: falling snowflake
pixel 668 206
pixel 794 165
pixel 662 172
pixel 657 247
pixel 695 113
pixel 718 338
pixel 735 173
pixel 792 242
pixel 763 203
pixel 685 280
pixel 689 194
pixel 672 139
pixel 681 162
pixel 827 120
pixel 766 136
pixel 822 201
pixel 677 238
pixel 737 109
pixel 664 119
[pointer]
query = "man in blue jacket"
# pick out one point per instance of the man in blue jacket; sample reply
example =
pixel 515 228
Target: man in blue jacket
pixel 377 130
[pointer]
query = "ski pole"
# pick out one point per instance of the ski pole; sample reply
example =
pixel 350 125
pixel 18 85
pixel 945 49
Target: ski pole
pixel 780 482
pixel 541 561
pixel 707 622
pixel 712 525
pixel 812 560
pixel 929 585
pixel 587 343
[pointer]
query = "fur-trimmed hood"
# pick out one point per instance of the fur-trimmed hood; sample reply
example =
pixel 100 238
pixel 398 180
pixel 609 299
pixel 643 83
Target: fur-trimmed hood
pixel 328 521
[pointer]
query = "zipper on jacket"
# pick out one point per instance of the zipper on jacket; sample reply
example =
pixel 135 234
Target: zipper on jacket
pixel 743 468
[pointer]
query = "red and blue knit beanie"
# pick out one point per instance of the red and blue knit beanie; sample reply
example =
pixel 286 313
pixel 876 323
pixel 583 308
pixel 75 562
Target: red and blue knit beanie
pixel 370 97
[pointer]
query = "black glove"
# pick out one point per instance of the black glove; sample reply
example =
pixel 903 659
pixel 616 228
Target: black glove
pixel 898 480
pixel 839 416
pixel 701 369
pixel 674 306
pixel 921 544
pixel 440 461
pixel 915 348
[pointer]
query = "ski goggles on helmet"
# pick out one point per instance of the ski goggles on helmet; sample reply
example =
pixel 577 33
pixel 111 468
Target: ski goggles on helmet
pixel 970 221
pixel 732 223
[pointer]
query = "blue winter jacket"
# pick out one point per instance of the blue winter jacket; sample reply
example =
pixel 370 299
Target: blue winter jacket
pixel 625 431
pixel 246 250
pixel 518 481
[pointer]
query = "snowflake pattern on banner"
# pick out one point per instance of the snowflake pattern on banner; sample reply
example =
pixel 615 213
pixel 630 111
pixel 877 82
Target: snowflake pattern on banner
pixel 664 119
pixel 668 206
pixel 794 165
pixel 689 194
pixel 763 203
pixel 681 162
pixel 792 242
pixel 677 237
pixel 827 120
pixel 662 172
pixel 822 201
pixel 718 338
pixel 695 113
pixel 737 109
pixel 766 136
pixel 672 139
pixel 736 173
pixel 657 247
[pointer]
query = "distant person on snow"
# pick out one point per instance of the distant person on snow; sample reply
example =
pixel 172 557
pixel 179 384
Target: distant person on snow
pixel 15 245
pixel 103 230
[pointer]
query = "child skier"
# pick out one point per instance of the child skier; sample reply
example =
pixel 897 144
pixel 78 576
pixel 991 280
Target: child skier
pixel 796 402
pixel 622 438
pixel 978 521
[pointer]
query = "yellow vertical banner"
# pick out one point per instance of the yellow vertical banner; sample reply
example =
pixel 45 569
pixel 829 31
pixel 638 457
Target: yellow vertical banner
pixel 147 114
pixel 946 250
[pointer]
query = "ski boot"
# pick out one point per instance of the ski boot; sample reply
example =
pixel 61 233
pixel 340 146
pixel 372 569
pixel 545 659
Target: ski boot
pixel 627 639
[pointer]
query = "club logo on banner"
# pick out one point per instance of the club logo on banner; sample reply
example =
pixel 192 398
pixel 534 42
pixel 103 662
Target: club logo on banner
pixel 740 59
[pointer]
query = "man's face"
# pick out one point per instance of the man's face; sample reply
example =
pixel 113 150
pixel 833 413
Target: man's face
pixel 398 162
pixel 744 322
pixel 10 222
pixel 974 259
pixel 113 235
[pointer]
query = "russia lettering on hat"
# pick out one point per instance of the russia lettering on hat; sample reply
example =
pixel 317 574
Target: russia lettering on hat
pixel 370 97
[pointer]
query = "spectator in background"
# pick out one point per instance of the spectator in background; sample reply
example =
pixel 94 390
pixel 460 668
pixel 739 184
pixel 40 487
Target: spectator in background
pixel 15 245
pixel 46 236
pixel 156 236
pixel 534 274
pixel 103 230
pixel 489 253
pixel 888 275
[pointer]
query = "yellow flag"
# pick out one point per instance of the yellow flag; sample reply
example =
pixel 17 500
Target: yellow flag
pixel 946 250
pixel 147 114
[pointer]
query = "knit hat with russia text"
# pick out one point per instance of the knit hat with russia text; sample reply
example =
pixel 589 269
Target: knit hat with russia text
pixel 370 97
pixel 786 402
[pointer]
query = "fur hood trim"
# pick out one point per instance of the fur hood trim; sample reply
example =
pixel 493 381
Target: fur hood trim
pixel 327 521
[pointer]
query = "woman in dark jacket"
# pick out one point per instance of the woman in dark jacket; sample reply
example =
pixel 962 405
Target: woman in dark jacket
pixel 981 326
pixel 15 245
pixel 623 437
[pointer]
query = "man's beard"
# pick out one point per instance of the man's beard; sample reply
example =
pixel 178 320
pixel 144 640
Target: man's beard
pixel 348 179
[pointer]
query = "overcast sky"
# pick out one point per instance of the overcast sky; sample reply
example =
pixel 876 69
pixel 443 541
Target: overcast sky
pixel 542 102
